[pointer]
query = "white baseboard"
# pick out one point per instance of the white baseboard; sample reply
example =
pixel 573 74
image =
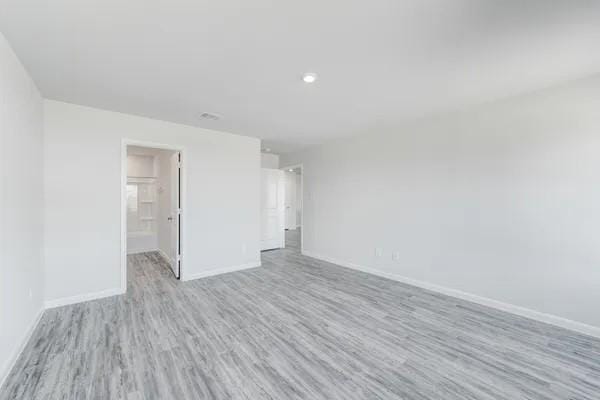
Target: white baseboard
pixel 219 271
pixel 64 301
pixel 117 291
pixel 10 363
pixel 513 309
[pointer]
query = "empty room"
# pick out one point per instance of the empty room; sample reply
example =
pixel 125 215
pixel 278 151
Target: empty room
pixel 300 200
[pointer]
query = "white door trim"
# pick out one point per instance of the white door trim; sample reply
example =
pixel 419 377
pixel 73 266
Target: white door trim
pixel 183 190
pixel 302 227
pixel 175 214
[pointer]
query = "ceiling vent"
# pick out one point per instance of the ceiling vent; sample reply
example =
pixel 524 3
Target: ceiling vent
pixel 209 116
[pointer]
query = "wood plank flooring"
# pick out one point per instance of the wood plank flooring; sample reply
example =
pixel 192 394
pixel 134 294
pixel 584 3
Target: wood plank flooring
pixel 296 328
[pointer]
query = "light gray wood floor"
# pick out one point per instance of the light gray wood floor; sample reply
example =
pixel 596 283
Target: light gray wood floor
pixel 296 328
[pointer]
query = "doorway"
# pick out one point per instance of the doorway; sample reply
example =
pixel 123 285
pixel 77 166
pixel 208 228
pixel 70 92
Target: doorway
pixel 294 187
pixel 152 205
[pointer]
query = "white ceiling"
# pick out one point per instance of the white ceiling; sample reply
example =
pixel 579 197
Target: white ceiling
pixel 379 61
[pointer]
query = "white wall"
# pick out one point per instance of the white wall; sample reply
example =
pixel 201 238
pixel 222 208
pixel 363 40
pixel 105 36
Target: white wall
pixel 82 251
pixel 501 201
pixel 268 160
pixel 21 205
pixel 140 165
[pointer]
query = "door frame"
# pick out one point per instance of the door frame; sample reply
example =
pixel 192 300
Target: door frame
pixel 302 227
pixel 182 192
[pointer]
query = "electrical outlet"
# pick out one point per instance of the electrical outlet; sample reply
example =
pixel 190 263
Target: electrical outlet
pixel 378 252
pixel 396 256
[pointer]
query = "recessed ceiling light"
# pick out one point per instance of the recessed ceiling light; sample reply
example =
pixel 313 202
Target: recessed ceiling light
pixel 291 170
pixel 267 149
pixel 309 77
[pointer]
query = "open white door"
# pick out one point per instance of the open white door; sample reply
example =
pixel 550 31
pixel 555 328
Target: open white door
pixel 175 214
pixel 272 209
pixel 290 200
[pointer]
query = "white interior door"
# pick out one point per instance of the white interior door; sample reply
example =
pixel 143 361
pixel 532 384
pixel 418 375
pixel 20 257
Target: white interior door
pixel 290 200
pixel 299 200
pixel 175 214
pixel 272 209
